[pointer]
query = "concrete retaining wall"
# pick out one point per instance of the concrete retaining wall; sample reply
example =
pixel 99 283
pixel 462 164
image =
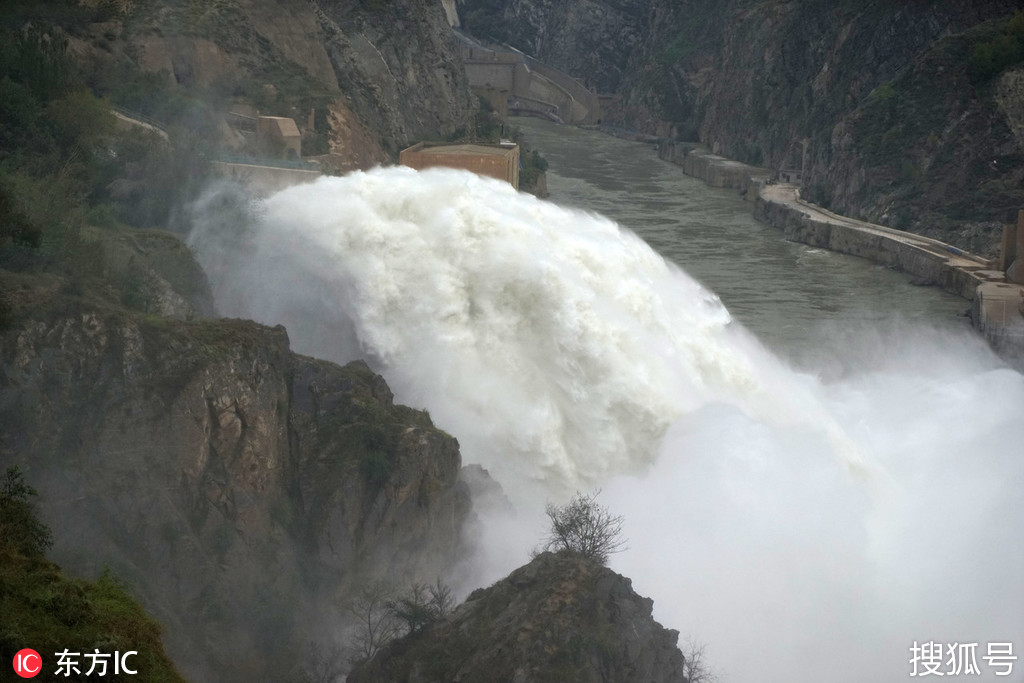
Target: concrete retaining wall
pixel 887 250
pixel 997 305
pixel 264 180
pixel 714 170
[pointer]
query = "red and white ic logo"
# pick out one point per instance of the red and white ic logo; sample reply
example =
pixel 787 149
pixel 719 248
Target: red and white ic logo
pixel 27 663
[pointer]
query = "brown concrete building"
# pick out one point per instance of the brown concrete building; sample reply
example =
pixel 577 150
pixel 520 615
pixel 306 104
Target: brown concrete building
pixel 278 137
pixel 495 161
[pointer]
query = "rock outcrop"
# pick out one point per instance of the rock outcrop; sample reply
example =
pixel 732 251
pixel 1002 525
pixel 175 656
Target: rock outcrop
pixel 240 490
pixel 559 618
pixel 881 103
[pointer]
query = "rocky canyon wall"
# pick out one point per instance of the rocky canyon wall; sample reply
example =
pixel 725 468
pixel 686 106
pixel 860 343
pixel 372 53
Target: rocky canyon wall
pixel 888 105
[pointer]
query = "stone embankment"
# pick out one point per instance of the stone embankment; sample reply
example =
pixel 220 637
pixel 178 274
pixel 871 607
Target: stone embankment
pixel 715 170
pixel 997 307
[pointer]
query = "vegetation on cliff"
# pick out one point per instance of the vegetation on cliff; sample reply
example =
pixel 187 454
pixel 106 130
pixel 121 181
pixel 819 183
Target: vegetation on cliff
pixel 64 160
pixel 49 612
pixel 585 527
pixel 997 47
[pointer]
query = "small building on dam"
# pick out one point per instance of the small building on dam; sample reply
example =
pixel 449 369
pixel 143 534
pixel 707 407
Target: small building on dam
pixel 499 161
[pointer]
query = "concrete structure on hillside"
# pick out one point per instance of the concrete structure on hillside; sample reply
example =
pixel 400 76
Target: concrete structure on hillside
pixel 526 85
pixel 998 314
pixel 278 137
pixel 262 178
pixel 998 309
pixel 496 161
pixel 1011 254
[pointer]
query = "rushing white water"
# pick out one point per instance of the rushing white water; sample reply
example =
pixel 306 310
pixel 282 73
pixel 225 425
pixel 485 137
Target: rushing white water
pixel 564 353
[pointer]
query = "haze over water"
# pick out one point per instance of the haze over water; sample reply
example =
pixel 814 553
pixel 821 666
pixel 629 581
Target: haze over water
pixel 808 526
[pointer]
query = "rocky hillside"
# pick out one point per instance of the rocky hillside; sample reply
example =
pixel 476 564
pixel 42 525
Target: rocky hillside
pixel 909 111
pixel 373 75
pixel 560 618
pixel 239 490
pixel 242 492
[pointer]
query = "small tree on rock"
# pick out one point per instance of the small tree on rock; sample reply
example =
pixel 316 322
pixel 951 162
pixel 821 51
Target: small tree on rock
pixel 20 527
pixel 695 668
pixel 384 614
pixel 422 605
pixel 376 621
pixel 583 526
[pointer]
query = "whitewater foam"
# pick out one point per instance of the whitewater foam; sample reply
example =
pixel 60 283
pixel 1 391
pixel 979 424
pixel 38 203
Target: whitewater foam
pixel 559 341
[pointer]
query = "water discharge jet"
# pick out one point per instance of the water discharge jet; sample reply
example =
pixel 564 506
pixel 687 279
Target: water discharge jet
pixel 560 350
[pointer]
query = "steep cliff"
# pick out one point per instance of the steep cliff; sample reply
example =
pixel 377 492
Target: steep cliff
pixel 238 489
pixel 938 149
pixel 884 102
pixel 560 618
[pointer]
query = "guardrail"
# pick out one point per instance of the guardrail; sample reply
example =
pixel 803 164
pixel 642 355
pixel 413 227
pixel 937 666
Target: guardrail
pixel 242 121
pixel 913 236
pixel 522 103
pixel 141 118
pixel 274 163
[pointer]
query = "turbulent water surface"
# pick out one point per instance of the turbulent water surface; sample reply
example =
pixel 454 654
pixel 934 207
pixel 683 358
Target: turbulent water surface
pixel 807 524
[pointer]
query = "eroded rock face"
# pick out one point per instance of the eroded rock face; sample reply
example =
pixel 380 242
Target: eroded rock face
pixel 559 618
pixel 239 489
pixel 398 67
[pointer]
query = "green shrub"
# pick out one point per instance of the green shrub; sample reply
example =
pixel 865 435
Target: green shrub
pixel 681 47
pixel 990 57
pixel 19 526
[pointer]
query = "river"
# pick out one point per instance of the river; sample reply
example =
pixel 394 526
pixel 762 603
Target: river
pixel 793 297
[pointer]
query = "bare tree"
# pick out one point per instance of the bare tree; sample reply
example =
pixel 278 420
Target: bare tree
pixel 383 614
pixel 695 668
pixel 377 622
pixel 422 605
pixel 585 527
